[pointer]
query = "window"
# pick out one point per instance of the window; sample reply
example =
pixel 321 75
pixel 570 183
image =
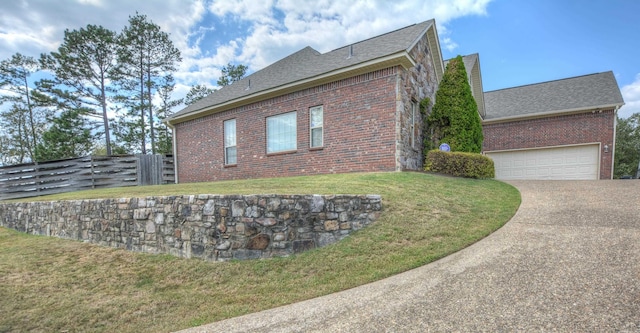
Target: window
pixel 315 126
pixel 230 151
pixel 281 133
pixel 412 124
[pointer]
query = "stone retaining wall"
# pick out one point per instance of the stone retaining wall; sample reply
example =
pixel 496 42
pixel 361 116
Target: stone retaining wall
pixel 212 227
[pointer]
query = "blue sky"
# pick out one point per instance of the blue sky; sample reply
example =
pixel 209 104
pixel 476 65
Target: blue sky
pixel 519 42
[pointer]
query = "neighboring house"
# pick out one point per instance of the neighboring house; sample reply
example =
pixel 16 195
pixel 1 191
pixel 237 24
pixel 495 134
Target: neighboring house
pixel 356 109
pixel 563 129
pixel 352 109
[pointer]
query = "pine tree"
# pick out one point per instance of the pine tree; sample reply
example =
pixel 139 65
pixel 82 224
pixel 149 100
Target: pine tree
pixel 69 136
pixel 231 73
pixel 454 118
pixel 146 54
pixel 197 93
pixel 82 67
pixel 23 120
pixel 164 144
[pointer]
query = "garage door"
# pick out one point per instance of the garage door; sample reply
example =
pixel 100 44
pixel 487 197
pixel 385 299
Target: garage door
pixel 577 162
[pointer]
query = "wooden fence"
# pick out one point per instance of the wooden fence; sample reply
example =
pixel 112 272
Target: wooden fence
pixel 89 172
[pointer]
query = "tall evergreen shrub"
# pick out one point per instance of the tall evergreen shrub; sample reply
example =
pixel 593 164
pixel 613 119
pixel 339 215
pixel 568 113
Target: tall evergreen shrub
pixel 454 118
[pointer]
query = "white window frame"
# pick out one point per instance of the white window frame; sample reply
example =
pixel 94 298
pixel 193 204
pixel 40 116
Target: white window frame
pixel 272 148
pixel 316 127
pixel 230 141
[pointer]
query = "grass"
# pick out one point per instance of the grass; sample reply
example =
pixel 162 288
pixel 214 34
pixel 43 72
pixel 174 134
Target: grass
pixel 49 284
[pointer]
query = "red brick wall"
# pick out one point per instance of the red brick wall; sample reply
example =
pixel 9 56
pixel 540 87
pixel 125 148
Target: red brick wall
pixel 359 133
pixel 555 131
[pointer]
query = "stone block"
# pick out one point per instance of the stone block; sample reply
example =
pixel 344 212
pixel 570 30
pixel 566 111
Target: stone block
pixel 159 218
pixel 209 208
pixel 273 204
pixel 224 246
pixel 331 225
pixel 259 242
pixel 279 245
pixel 224 211
pixel 197 249
pixel 325 238
pixel 317 204
pixel 242 254
pixel 344 217
pixel 237 208
pixel 267 222
pixel 303 245
pixel 151 227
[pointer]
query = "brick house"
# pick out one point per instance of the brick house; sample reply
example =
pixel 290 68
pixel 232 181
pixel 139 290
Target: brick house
pixel 353 109
pixel 356 109
pixel 563 129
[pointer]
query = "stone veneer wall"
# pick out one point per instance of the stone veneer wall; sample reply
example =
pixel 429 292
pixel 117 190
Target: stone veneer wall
pixel 211 227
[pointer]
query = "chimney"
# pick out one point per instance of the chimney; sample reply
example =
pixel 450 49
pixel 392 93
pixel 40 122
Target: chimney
pixel 350 51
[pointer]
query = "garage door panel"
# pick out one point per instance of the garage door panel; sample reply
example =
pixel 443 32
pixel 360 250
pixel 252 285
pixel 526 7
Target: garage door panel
pixel 576 162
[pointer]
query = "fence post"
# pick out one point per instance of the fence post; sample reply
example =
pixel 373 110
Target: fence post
pixel 93 180
pixel 139 168
pixel 37 177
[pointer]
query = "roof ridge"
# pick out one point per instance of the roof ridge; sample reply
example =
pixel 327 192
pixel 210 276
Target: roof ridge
pixel 550 81
pixel 376 36
pixel 308 63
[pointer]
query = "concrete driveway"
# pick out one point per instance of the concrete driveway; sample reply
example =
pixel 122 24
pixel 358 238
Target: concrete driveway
pixel 569 260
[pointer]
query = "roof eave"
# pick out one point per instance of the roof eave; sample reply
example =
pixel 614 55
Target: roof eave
pixel 401 58
pixel 550 113
pixel 436 52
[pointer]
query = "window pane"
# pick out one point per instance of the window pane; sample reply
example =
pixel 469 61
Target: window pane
pixel 230 133
pixel 231 155
pixel 281 133
pixel 316 137
pixel 315 125
pixel 316 117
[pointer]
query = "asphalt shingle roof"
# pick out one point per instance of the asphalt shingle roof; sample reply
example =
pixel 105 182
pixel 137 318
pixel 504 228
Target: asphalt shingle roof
pixel 572 94
pixel 309 63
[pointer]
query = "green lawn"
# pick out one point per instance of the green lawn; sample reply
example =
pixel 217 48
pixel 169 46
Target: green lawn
pixel 55 285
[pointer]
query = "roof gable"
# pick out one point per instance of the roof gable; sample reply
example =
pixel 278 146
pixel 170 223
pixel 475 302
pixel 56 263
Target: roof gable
pixel 308 65
pixel 574 94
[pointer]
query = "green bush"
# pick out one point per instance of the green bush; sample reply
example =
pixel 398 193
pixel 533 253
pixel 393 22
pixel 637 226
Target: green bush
pixel 460 164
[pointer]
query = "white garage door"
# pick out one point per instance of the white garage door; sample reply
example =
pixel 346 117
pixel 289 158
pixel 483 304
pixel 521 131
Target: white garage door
pixel 577 162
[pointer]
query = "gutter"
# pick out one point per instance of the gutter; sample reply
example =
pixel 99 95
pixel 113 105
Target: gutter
pixel 550 113
pixel 615 133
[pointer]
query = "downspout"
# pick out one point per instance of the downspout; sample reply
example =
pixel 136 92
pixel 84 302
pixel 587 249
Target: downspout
pixel 175 149
pixel 615 129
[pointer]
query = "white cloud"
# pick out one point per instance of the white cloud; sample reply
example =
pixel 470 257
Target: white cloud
pixel 290 25
pixel 276 28
pixel 449 44
pixel 631 96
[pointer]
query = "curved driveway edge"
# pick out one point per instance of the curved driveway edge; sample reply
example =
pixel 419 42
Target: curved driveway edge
pixel 569 260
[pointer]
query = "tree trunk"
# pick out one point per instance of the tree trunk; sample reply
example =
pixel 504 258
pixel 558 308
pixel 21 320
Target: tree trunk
pixel 105 118
pixel 142 110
